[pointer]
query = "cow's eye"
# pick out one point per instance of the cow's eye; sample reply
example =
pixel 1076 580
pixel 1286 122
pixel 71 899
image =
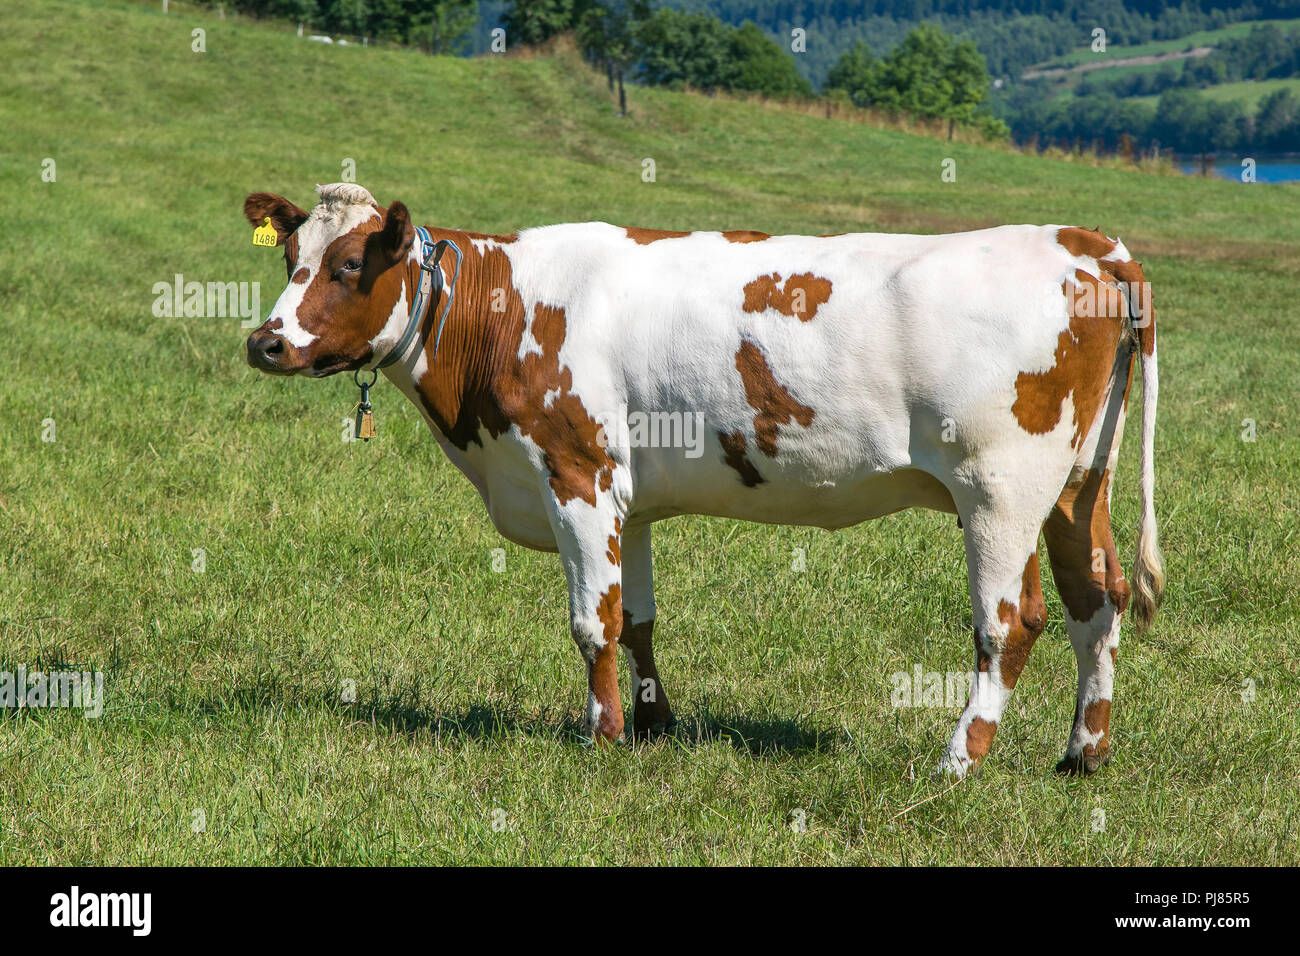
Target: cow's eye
pixel 352 265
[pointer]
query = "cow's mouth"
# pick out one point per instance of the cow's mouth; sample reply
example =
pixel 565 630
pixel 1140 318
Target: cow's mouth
pixel 330 364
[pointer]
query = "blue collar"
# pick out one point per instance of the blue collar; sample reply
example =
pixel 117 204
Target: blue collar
pixel 426 291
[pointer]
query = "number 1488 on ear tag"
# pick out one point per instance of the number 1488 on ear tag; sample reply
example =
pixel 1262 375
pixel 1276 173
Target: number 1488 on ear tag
pixel 265 234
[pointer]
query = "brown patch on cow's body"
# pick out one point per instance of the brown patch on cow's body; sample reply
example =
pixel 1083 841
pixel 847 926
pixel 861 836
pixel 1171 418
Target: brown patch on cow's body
pixel 610 611
pixel 615 544
pixel 643 237
pixel 1093 244
pixel 1085 242
pixel 744 235
pixel 602 669
pixel 979 737
pixel 1079 525
pixel 461 391
pixel 478 382
pixel 1024 622
pixel 1144 323
pixel 769 398
pixel 1083 362
pixel 734 448
pixel 1096 718
pixel 565 431
pixel 301 276
pixel 762 294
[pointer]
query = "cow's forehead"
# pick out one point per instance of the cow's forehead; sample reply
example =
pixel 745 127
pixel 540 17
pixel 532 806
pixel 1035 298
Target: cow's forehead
pixel 327 222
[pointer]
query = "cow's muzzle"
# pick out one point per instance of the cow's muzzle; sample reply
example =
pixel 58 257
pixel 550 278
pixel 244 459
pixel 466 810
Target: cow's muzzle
pixel 269 352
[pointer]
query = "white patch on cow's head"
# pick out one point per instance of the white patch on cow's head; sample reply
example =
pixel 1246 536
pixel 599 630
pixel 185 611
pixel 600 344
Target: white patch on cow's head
pixel 342 207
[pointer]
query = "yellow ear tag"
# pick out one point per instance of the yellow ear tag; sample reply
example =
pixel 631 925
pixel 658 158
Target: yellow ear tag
pixel 265 234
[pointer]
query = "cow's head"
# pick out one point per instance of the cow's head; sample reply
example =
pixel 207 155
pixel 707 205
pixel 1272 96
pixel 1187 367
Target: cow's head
pixel 346 298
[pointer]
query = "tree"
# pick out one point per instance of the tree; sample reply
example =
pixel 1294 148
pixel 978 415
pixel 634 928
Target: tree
pixel 757 63
pixel 678 49
pixel 855 73
pixel 1277 121
pixel 530 22
pixel 929 74
pixel 607 33
pixel 446 24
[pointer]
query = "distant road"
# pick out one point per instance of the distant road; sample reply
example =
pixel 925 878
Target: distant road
pixel 1148 60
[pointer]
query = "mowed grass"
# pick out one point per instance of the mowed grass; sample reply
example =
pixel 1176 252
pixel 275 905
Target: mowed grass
pixel 226 736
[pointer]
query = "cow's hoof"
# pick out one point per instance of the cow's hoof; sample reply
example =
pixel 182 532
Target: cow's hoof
pixel 1082 764
pixel 953 767
pixel 652 729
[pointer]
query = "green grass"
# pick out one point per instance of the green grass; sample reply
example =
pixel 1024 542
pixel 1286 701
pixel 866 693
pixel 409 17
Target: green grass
pixel 1115 51
pixel 329 562
pixel 1249 92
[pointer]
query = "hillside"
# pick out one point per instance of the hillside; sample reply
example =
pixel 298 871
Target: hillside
pixel 325 562
pixel 1084 55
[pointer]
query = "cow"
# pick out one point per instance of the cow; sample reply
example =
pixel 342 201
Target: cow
pixel 840 378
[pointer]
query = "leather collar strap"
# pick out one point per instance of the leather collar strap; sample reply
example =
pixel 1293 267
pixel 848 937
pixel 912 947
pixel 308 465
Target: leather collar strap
pixel 428 289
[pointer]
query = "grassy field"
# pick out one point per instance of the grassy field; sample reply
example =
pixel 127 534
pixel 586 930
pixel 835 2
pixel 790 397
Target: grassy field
pixel 225 736
pixel 1117 51
pixel 1249 92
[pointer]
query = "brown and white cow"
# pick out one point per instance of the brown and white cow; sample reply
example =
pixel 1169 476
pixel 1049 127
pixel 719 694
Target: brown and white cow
pixel 840 378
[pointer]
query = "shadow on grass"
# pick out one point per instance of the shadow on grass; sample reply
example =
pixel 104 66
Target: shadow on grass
pixel 412 714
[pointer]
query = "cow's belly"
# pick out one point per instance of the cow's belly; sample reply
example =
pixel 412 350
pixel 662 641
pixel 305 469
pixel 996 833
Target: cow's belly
pixel 824 502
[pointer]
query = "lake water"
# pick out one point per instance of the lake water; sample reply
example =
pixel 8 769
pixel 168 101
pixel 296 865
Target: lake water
pixel 1268 169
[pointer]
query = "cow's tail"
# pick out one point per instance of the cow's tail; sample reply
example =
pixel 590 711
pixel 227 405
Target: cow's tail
pixel 1148 581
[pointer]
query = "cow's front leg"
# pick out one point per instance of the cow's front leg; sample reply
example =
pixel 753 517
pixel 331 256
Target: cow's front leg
pixel 590 543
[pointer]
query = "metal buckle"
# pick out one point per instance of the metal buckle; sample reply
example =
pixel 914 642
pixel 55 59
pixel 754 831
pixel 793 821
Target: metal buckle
pixel 432 255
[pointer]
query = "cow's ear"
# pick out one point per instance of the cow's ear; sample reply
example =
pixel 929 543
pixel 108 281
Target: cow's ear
pixel 391 244
pixel 284 215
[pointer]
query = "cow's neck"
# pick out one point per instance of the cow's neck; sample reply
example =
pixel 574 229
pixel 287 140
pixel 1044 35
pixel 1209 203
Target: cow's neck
pixel 458 388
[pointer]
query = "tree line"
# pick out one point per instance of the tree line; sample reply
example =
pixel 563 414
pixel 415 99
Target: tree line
pixel 1103 112
pixel 1183 120
pixel 928 74
pixel 1012 34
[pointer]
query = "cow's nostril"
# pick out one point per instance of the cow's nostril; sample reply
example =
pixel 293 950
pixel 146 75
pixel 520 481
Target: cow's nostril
pixel 266 351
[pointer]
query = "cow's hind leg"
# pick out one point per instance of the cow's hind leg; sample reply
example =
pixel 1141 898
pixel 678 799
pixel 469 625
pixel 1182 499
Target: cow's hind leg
pixel 1088 575
pixel 1009 614
pixel 651 713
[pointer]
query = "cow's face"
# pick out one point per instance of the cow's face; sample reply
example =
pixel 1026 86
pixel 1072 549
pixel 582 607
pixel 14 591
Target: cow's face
pixel 346 296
